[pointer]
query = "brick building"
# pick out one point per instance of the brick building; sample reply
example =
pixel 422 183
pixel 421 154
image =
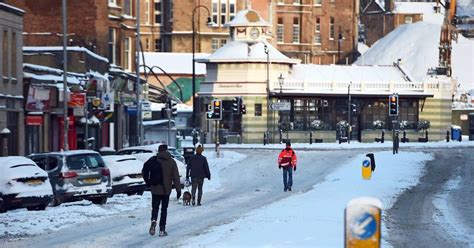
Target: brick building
pixel 303 29
pixel 317 31
pixel 11 77
pixel 104 27
pixel 380 18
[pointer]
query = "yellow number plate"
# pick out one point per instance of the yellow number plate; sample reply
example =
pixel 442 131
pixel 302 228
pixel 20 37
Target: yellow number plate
pixel 90 180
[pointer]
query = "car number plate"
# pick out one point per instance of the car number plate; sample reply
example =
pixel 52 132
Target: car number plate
pixel 90 180
pixel 34 182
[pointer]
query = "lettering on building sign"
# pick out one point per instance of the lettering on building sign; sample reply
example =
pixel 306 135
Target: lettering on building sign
pixel 230 85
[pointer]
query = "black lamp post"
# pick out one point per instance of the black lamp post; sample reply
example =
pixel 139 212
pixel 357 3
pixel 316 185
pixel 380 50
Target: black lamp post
pixel 209 23
pixel 281 80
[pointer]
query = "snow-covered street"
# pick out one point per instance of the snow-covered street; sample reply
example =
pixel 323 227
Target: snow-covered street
pixel 243 204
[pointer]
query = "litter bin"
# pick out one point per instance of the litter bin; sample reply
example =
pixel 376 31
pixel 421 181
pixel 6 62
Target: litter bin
pixel 456 133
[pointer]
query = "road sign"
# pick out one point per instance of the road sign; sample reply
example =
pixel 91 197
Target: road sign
pixel 366 169
pixel 280 106
pixel 362 222
pixel 107 98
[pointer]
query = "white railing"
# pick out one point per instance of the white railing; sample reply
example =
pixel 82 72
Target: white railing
pixel 363 87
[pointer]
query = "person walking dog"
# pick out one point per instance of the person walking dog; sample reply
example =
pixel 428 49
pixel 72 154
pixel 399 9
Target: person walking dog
pixel 159 173
pixel 197 169
pixel 287 161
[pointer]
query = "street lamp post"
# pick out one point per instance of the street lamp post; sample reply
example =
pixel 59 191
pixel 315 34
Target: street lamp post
pixel 349 113
pixel 65 96
pixel 267 52
pixel 139 136
pixel 209 22
pixel 281 80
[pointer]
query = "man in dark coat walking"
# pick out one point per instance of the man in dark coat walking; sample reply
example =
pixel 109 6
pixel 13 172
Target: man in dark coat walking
pixel 161 191
pixel 197 169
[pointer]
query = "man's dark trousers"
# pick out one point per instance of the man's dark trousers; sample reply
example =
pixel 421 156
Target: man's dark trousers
pixel 156 200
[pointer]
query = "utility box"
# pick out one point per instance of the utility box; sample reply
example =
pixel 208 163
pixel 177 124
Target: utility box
pixel 456 133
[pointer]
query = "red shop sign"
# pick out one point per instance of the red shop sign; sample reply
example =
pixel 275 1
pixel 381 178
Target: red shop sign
pixel 34 120
pixel 77 100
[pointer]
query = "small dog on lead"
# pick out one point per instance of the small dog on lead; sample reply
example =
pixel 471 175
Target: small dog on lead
pixel 186 198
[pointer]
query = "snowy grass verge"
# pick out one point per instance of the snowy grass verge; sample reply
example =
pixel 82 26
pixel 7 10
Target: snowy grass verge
pixel 315 218
pixel 20 222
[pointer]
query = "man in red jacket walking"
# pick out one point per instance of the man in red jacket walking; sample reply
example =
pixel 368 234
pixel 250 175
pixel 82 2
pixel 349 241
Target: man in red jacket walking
pixel 287 161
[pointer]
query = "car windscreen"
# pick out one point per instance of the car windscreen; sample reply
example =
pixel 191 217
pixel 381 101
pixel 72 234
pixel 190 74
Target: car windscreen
pixel 174 152
pixel 131 152
pixel 82 161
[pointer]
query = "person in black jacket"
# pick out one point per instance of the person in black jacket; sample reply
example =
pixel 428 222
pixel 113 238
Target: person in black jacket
pixel 197 169
pixel 160 172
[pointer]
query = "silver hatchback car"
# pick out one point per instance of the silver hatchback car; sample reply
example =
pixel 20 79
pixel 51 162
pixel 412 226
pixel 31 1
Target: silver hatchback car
pixel 76 175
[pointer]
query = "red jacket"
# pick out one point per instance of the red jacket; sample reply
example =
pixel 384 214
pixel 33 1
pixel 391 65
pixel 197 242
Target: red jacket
pixel 287 157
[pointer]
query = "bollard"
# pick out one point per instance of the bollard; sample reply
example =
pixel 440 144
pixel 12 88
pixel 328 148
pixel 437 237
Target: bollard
pixel 310 138
pixel 362 223
pixel 447 136
pixel 280 137
pixel 383 136
pixel 366 169
pixel 426 135
pixel 264 138
pixel 217 149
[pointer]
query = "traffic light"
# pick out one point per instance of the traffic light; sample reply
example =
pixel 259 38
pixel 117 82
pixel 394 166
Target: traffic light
pixel 235 105
pixel 174 108
pixel 216 111
pixel 353 108
pixel 243 109
pixel 393 105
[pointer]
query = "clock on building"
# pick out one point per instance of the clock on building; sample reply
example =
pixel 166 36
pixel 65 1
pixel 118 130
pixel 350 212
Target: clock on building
pixel 254 33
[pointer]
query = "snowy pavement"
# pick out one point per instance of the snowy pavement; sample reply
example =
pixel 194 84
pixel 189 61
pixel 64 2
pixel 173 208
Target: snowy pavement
pixel 21 222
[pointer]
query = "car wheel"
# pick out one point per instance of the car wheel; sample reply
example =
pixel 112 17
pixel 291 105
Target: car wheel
pixel 41 207
pixel 57 201
pixel 140 192
pixel 101 200
pixel 130 193
pixel 3 207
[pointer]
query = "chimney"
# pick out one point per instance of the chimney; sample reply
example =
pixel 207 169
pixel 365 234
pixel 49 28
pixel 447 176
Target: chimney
pixel 389 5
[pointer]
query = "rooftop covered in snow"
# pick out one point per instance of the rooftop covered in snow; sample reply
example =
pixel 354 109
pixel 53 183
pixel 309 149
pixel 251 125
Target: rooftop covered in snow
pixel 241 51
pixel 246 18
pixel 174 63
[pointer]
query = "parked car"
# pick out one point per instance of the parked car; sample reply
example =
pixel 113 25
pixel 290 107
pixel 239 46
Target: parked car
pixel 126 174
pixel 76 175
pixel 23 184
pixel 153 149
pixel 143 153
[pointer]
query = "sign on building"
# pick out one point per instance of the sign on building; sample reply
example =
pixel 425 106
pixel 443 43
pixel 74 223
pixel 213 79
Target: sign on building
pixel 280 106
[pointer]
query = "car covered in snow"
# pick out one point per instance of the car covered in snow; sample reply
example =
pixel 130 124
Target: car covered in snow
pixel 76 175
pixel 126 174
pixel 143 153
pixel 23 184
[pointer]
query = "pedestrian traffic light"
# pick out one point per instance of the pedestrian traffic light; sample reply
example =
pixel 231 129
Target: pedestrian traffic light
pixel 216 111
pixel 235 105
pixel 354 108
pixel 393 105
pixel 174 108
pixel 243 109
